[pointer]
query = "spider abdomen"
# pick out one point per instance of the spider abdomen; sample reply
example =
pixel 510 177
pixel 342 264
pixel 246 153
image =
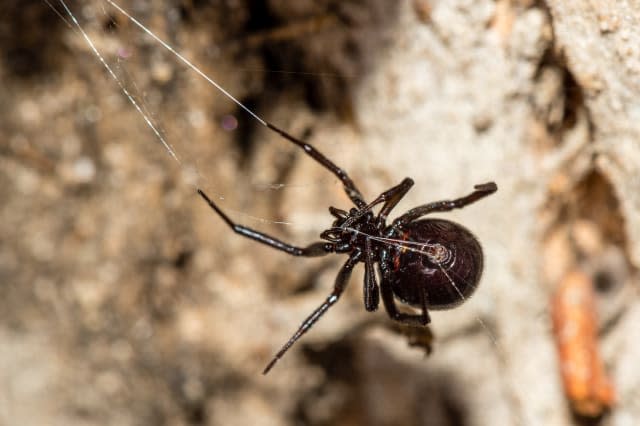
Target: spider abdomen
pixel 441 260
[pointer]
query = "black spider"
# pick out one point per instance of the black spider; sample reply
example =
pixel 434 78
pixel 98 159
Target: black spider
pixel 432 263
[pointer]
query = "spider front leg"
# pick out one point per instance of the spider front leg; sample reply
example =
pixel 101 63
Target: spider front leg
pixel 319 248
pixel 349 187
pixel 393 196
pixel 340 284
pixel 390 198
pixel 480 192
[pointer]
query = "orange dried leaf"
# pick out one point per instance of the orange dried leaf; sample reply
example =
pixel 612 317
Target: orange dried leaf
pixel 586 384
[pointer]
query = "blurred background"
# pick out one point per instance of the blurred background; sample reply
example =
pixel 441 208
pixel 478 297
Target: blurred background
pixel 125 301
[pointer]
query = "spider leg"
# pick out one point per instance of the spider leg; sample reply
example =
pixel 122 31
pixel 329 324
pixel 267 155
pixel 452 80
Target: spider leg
pixel 480 192
pixel 393 196
pixel 389 301
pixel 390 197
pixel 349 187
pixel 340 284
pixel 371 291
pixel 319 248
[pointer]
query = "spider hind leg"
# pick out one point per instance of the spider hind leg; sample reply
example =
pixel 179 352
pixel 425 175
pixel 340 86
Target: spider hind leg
pixel 340 284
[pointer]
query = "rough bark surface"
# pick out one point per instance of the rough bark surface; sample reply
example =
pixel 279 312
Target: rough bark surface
pixel 125 300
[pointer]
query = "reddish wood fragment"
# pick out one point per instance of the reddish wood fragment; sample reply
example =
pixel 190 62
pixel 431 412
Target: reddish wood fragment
pixel 588 389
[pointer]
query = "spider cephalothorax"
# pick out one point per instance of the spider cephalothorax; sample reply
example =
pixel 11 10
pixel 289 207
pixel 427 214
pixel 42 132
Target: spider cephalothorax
pixel 426 263
pixel 350 229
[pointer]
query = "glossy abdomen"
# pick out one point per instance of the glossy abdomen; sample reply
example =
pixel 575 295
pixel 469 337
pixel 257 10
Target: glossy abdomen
pixel 439 259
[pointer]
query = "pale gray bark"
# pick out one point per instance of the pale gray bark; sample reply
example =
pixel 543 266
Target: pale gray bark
pixel 128 302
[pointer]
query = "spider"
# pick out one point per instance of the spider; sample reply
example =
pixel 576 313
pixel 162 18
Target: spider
pixel 433 263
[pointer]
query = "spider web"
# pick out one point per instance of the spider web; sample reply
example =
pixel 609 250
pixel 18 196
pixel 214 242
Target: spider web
pixel 179 151
pixel 117 72
pixel 119 58
pixel 176 149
